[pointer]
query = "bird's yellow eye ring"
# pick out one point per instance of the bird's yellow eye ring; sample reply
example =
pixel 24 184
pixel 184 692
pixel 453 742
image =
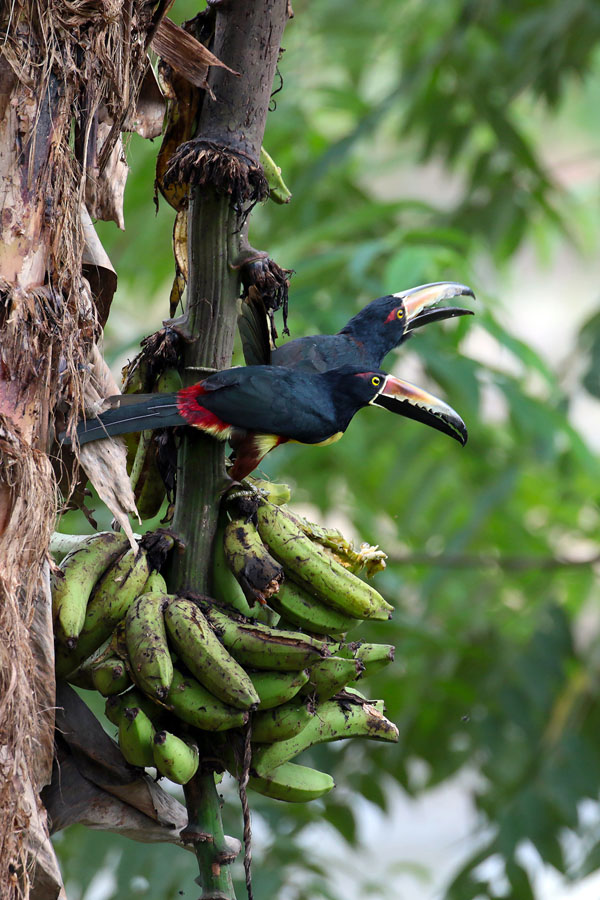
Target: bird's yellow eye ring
pixel 376 380
pixel 400 312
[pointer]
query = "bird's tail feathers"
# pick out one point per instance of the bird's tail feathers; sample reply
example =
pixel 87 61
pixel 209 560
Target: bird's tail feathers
pixel 134 412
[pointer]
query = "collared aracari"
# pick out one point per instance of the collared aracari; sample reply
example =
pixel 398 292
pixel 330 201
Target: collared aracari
pixel 257 408
pixel 364 341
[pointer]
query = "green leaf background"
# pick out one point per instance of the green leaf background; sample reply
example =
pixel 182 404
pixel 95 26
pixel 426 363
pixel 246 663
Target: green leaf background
pixel 497 663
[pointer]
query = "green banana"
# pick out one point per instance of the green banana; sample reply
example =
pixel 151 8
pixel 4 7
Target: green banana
pixel 352 692
pixel 275 493
pixel 146 480
pixel 82 675
pixel 333 720
pixel 293 783
pixel 146 637
pixel 278 190
pixel 112 597
pixel 175 758
pixel 80 570
pixel 258 573
pixel 136 376
pixel 280 723
pixel 205 656
pixel 366 557
pixel 117 703
pixel 316 570
pixel 277 688
pixel 225 586
pixel 110 676
pixel 194 704
pixel 297 606
pixel 155 584
pixel 330 675
pixel 372 656
pixel 261 647
pixel 136 732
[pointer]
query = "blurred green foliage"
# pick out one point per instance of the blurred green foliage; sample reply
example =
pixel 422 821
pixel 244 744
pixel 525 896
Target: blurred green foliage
pixel 488 675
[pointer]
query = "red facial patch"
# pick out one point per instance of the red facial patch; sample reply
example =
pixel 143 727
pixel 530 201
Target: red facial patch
pixel 393 316
pixel 189 407
pixel 365 375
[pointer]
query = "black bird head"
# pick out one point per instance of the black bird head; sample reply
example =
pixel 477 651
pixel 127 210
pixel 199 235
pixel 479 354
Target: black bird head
pixel 351 390
pixel 387 321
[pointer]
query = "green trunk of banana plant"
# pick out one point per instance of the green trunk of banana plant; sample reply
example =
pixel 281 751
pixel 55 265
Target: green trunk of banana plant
pixel 205 829
pixel 247 38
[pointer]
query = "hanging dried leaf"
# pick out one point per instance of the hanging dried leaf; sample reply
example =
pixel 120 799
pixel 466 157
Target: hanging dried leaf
pixel 105 189
pixel 185 54
pixel 97 268
pixel 105 462
pixel 92 784
pixel 147 117
pixel 184 102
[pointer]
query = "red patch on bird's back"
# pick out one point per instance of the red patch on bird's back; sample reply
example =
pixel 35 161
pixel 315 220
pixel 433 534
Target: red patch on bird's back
pixel 196 415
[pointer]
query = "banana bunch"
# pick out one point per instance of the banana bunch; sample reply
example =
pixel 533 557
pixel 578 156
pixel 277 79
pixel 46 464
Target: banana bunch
pixel 92 590
pixel 280 559
pixel 187 676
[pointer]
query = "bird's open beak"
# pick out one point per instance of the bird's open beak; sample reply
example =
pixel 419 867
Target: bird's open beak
pixel 414 403
pixel 419 302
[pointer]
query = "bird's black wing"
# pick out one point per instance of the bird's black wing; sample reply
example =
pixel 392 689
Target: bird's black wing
pixel 322 352
pixel 274 400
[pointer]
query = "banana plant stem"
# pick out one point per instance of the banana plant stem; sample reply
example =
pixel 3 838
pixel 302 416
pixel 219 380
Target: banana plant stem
pixel 212 291
pixel 205 830
pixel 247 38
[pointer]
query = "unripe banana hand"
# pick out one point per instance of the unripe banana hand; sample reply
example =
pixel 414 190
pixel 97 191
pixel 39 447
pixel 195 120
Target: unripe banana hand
pixel 261 647
pixel 258 573
pixel 292 783
pixel 146 637
pixel 79 572
pixel 316 570
pixel 205 656
pixel 333 720
pixel 113 595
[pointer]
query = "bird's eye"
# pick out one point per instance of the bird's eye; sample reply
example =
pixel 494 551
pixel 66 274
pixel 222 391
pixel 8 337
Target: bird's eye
pixel 400 312
pixel 375 380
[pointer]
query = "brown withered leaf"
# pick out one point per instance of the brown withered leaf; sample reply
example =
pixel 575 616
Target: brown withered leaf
pixel 97 269
pixel 181 115
pixel 105 462
pixel 147 117
pixel 110 187
pixel 181 260
pixel 184 53
pixel 93 784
